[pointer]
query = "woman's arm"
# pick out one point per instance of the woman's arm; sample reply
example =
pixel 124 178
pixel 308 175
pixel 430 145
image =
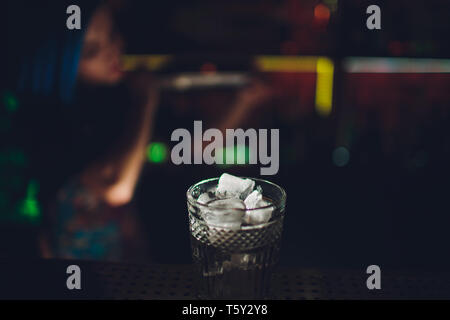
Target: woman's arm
pixel 246 101
pixel 115 177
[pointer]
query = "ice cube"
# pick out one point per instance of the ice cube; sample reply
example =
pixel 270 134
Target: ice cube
pixel 255 200
pixel 226 213
pixel 230 209
pixel 232 225
pixel 206 197
pixel 228 203
pixel 231 186
pixel 259 189
pixel 252 199
pixel 258 216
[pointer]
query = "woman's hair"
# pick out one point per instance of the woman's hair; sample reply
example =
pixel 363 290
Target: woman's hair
pixel 43 51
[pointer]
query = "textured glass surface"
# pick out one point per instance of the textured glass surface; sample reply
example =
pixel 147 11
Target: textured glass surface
pixel 235 264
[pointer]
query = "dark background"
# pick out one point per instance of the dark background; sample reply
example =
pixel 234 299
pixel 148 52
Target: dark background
pixel 388 204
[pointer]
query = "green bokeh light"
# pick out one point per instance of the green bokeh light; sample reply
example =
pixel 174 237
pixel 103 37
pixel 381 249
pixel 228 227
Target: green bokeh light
pixel 10 102
pixel 29 207
pixel 157 152
pixel 13 157
pixel 231 155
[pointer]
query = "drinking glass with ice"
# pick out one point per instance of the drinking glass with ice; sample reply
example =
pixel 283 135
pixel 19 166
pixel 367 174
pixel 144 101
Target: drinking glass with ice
pixel 235 225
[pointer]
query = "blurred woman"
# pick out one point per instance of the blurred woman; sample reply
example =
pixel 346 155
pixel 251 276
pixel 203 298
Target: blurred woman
pixel 85 127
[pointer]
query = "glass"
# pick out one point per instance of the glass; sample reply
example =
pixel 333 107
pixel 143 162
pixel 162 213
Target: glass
pixel 230 263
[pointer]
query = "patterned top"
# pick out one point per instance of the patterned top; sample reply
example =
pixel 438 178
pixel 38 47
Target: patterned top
pixel 87 228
